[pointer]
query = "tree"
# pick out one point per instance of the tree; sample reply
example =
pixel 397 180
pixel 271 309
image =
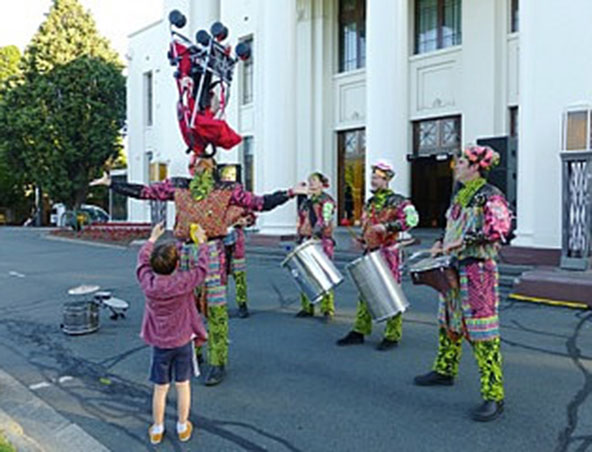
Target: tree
pixel 64 120
pixel 12 183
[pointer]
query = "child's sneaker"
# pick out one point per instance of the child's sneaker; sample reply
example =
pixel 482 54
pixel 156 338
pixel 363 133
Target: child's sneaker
pixel 155 436
pixel 185 435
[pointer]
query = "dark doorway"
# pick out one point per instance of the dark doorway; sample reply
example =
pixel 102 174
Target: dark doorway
pixel 431 188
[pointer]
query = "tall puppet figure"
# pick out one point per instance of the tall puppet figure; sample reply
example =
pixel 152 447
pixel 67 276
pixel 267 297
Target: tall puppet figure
pixel 203 201
pixel 316 214
pixel 477 222
pixel 385 215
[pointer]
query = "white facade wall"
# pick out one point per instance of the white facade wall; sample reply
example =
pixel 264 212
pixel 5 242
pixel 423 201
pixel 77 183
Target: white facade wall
pixel 300 101
pixel 554 73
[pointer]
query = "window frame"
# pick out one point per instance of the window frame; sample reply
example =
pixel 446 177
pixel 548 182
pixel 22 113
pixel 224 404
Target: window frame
pixel 359 18
pixel 438 149
pixel 247 84
pixel 439 30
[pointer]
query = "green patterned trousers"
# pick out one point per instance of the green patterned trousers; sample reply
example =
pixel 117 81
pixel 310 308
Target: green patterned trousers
pixel 327 304
pixel 240 284
pixel 488 357
pixel 218 335
pixel 363 324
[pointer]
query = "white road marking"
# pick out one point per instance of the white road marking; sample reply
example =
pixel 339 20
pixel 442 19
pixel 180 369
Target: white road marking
pixel 64 379
pixel 43 384
pixel 17 274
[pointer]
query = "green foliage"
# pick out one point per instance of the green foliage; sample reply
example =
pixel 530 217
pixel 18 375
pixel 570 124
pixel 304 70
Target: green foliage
pixel 10 57
pixel 63 121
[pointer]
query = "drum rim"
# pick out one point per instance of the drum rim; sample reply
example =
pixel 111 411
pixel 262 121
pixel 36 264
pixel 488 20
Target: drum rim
pixel 448 259
pixel 303 245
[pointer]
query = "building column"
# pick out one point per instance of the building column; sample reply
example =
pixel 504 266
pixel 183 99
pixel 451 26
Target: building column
pixel 203 14
pixel 275 113
pixel 527 129
pixel 387 129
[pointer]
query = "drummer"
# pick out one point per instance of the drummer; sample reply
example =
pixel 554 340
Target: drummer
pixel 385 215
pixel 316 212
pixel 477 222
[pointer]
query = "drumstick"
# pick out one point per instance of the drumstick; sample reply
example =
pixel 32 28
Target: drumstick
pixel 353 233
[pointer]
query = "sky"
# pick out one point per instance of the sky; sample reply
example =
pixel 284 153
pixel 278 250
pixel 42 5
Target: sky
pixel 115 19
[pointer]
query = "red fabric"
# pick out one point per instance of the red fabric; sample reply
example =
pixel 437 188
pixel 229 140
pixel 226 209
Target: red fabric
pixel 206 129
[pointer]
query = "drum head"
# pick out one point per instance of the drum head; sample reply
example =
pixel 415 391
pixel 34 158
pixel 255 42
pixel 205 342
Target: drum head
pixel 84 289
pixel 116 303
pixel 102 295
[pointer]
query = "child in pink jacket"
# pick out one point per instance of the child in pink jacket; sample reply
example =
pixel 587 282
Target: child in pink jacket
pixel 170 325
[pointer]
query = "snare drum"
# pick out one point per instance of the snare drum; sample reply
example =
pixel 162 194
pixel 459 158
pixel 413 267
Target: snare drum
pixel 80 317
pixel 436 272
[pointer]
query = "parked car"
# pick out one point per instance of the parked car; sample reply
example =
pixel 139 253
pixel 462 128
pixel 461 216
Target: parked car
pixel 95 214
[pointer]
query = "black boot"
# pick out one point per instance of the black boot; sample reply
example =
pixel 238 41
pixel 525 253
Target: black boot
pixel 304 313
pixel 489 410
pixel 386 344
pixel 433 378
pixel 215 375
pixel 327 318
pixel 243 311
pixel 352 338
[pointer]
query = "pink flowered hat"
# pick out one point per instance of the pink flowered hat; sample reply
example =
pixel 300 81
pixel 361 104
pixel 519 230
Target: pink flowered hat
pixel 382 166
pixel 484 156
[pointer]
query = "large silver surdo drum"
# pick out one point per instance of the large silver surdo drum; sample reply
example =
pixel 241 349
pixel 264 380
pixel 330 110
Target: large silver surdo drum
pixel 312 270
pixel 377 286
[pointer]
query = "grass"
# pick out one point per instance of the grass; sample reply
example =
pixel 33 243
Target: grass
pixel 5 446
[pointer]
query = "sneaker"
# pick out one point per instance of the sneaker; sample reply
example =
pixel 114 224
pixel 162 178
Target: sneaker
pixel 155 438
pixel 433 378
pixel 186 435
pixel 489 410
pixel 243 311
pixel 351 338
pixel 215 375
pixel 303 313
pixel 386 344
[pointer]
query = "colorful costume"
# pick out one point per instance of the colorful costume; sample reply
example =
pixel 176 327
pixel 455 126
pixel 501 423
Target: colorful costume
pixel 201 201
pixel 480 216
pixel 397 214
pixel 315 220
pixel 234 244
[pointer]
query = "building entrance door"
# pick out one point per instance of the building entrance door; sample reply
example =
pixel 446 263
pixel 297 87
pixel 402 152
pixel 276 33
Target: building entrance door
pixel 431 188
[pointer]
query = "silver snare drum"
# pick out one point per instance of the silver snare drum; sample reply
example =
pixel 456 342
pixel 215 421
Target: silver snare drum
pixel 313 271
pixel 377 286
pixel 80 317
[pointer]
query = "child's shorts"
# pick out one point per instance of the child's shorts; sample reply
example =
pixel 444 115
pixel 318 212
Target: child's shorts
pixel 180 360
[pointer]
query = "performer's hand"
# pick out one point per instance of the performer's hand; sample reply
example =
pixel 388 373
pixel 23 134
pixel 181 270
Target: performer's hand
pixel 300 189
pixel 157 231
pixel 379 228
pixel 104 180
pixel 436 248
pixel 242 222
pixel 452 246
pixel 197 234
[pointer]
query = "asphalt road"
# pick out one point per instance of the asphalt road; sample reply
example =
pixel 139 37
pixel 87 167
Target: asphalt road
pixel 289 388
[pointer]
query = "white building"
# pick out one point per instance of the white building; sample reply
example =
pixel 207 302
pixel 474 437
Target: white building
pixel 336 84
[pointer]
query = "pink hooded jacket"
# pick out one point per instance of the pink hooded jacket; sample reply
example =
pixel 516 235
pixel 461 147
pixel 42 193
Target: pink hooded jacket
pixel 170 315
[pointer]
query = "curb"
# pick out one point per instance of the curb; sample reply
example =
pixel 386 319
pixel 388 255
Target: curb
pixel 31 424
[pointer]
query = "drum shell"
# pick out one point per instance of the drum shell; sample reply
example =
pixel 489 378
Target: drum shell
pixel 80 317
pixel 377 286
pixel 438 273
pixel 313 271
